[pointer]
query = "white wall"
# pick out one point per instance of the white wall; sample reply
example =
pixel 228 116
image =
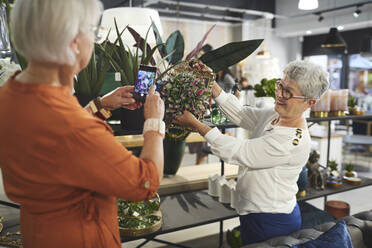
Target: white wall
pixel 280 50
pixel 194 30
pixel 283 49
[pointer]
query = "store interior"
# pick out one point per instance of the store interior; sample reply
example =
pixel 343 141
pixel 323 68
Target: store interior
pixel 291 30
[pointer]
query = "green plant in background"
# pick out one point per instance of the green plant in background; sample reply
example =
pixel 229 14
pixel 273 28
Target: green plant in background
pixel 352 102
pixel 233 237
pixel 332 165
pixel 266 88
pixel 349 167
pixel 229 54
pixel 89 81
pixel 137 215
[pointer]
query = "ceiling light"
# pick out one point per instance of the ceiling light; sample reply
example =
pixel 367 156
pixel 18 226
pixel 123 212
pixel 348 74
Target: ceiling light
pixel 334 39
pixel 308 4
pixel 357 12
pixel 339 28
pixel 129 16
pixel 309 32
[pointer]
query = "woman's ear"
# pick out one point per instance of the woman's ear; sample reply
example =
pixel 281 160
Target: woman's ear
pixel 74 45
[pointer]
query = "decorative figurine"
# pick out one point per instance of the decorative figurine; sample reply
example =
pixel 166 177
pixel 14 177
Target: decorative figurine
pixel 314 174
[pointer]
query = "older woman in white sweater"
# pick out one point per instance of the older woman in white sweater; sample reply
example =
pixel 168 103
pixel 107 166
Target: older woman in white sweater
pixel 271 160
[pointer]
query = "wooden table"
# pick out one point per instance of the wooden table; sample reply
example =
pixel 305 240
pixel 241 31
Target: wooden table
pixel 132 141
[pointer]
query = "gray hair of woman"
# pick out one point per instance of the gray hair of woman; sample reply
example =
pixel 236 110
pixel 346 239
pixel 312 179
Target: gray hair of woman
pixel 311 79
pixel 43 29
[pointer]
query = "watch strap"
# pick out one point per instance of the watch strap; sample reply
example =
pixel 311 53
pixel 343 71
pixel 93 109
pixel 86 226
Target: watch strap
pixel 153 124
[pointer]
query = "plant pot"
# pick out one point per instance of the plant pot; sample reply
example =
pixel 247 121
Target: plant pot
pixel 132 120
pixel 352 110
pixel 173 154
pixel 109 84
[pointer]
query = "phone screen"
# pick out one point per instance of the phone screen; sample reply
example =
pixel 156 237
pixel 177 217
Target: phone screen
pixel 145 79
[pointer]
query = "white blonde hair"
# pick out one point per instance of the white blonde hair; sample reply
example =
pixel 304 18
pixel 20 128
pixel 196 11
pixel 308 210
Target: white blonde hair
pixel 312 79
pixel 42 30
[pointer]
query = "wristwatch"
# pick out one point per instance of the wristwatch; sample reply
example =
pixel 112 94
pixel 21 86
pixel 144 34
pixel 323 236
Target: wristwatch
pixel 96 107
pixel 156 125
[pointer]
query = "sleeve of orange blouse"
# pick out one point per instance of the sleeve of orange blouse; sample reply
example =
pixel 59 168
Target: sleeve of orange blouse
pixel 95 161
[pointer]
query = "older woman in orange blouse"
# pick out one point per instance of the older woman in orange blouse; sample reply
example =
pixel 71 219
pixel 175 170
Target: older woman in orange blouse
pixel 59 162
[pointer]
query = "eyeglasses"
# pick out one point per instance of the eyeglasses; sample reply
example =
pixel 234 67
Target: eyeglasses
pixel 97 30
pixel 285 93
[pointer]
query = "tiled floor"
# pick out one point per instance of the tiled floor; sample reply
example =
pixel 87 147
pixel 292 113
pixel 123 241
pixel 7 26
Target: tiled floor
pixel 207 236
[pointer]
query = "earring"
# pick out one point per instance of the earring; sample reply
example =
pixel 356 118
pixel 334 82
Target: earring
pixel 77 51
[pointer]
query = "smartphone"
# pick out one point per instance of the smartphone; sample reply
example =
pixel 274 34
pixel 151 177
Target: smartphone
pixel 145 79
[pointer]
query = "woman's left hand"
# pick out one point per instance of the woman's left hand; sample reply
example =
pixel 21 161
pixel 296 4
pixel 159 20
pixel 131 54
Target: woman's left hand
pixel 120 97
pixel 186 120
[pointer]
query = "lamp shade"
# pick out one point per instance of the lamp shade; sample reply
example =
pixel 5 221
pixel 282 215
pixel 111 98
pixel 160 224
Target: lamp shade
pixel 334 39
pixel 137 18
pixel 308 4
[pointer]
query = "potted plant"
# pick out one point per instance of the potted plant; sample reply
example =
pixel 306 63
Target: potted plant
pixel 126 61
pixel 334 179
pixel 89 81
pixel 349 170
pixel 352 105
pixel 139 218
pixel 178 77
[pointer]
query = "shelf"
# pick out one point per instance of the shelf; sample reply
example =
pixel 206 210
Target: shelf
pixel 347 117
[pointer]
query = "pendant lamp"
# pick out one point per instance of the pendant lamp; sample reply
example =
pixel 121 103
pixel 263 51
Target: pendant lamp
pixel 334 39
pixel 139 19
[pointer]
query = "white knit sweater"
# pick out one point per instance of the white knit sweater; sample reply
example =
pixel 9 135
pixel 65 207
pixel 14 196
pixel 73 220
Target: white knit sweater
pixel 270 161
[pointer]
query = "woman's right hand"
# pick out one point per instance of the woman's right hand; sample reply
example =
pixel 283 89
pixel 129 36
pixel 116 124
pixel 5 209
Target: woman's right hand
pixel 154 105
pixel 216 90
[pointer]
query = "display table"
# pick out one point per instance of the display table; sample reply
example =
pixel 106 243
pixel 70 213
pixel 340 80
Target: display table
pixel 194 177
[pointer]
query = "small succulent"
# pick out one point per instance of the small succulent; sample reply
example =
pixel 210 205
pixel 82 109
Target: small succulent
pixel 333 165
pixel 352 102
pixel 349 167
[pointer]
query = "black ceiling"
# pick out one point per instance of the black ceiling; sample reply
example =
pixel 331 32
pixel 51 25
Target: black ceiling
pixel 190 11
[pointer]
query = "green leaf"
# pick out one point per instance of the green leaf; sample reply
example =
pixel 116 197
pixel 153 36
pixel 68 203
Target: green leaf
pixel 141 43
pixel 159 41
pixel 124 58
pixel 229 54
pixel 132 66
pixel 175 42
pixel 150 56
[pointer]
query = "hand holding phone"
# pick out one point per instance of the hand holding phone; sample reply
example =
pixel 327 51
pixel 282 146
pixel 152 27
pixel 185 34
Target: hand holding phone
pixel 145 79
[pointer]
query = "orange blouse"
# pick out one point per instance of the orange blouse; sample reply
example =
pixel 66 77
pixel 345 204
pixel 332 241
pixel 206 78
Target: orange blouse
pixel 65 168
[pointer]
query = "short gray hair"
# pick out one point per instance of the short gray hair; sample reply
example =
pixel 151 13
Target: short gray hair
pixel 311 79
pixel 43 29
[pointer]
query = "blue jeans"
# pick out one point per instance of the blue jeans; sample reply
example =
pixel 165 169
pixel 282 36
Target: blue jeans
pixel 257 227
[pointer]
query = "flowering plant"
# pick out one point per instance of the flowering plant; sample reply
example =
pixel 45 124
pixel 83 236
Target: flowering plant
pixel 7 69
pixel 186 83
pixel 188 87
